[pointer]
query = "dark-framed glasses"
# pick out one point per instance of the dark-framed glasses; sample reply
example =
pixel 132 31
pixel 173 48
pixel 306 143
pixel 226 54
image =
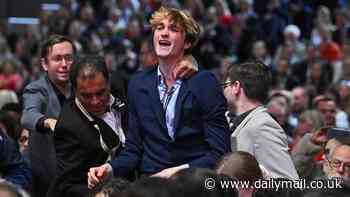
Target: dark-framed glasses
pixel 336 164
pixel 58 58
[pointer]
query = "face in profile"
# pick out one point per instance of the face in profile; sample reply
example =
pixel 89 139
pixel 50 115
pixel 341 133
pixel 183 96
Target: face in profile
pixel 93 93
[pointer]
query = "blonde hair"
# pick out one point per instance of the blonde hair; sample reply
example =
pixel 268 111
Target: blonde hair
pixel 180 17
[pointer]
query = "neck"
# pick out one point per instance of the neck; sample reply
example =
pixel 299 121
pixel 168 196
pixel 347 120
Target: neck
pixel 246 105
pixel 167 68
pixel 63 88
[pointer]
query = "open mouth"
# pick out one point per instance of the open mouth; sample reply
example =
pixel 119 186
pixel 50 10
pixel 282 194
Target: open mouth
pixel 164 43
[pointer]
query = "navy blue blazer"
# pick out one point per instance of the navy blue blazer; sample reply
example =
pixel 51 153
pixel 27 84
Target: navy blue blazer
pixel 201 130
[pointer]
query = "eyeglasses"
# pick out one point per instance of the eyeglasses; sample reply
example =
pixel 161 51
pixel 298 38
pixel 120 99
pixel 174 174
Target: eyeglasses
pixel 337 164
pixel 226 83
pixel 58 58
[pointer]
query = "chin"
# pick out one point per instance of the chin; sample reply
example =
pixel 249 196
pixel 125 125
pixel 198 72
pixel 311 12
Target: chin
pixel 98 113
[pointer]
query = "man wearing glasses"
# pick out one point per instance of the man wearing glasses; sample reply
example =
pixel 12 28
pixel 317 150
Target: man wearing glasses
pixel 340 163
pixel 42 102
pixel 246 89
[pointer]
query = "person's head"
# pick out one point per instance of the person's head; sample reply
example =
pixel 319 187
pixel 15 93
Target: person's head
pixel 327 107
pixel 57 54
pixel 344 89
pixel 240 165
pixel 282 66
pixel 23 140
pixel 14 110
pixel 90 81
pixel 259 50
pixel 300 99
pixel 9 125
pixel 291 33
pixel 340 162
pixel 8 67
pixel 153 187
pixel 251 80
pixel 148 58
pixel 278 109
pixel 193 180
pixel 113 188
pixel 175 32
pixel 316 70
pixel 308 121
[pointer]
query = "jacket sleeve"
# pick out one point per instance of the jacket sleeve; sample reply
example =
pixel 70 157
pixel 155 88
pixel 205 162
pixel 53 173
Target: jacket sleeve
pixel 129 158
pixel 216 132
pixel 271 149
pixel 34 104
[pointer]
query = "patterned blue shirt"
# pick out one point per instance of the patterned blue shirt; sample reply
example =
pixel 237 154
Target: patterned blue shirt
pixel 168 97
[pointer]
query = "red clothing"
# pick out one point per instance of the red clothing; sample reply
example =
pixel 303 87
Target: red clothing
pixel 10 82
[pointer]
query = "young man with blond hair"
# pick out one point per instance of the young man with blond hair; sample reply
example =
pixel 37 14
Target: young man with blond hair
pixel 178 123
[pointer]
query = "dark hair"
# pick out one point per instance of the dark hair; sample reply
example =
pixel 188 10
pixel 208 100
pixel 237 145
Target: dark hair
pixel 113 187
pixel 10 125
pixel 255 79
pixel 15 107
pixel 51 41
pixel 240 165
pixel 153 187
pixel 193 180
pixel 92 64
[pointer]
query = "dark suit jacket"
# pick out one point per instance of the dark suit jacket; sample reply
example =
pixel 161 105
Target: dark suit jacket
pixel 77 150
pixel 201 136
pixel 39 100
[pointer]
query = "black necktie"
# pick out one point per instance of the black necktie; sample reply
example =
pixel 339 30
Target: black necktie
pixel 109 136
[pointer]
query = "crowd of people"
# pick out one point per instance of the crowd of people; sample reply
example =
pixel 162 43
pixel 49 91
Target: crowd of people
pixel 143 98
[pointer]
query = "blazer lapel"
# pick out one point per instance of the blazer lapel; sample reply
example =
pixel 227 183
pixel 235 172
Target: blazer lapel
pixel 153 97
pixel 184 90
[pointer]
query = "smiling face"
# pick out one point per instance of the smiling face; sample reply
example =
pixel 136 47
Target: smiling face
pixel 169 39
pixel 58 62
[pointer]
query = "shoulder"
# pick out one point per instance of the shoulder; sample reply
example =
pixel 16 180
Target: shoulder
pixel 39 84
pixel 202 76
pixel 203 82
pixel 143 77
pixel 262 120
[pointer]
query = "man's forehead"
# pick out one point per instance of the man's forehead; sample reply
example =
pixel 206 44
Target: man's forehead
pixel 171 21
pixel 342 153
pixel 57 48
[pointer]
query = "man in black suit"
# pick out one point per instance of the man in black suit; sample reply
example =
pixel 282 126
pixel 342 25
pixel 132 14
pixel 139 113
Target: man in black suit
pixel 90 127
pixel 42 102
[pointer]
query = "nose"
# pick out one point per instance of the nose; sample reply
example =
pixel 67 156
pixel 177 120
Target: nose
pixel 165 32
pixel 95 100
pixel 65 62
pixel 26 143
